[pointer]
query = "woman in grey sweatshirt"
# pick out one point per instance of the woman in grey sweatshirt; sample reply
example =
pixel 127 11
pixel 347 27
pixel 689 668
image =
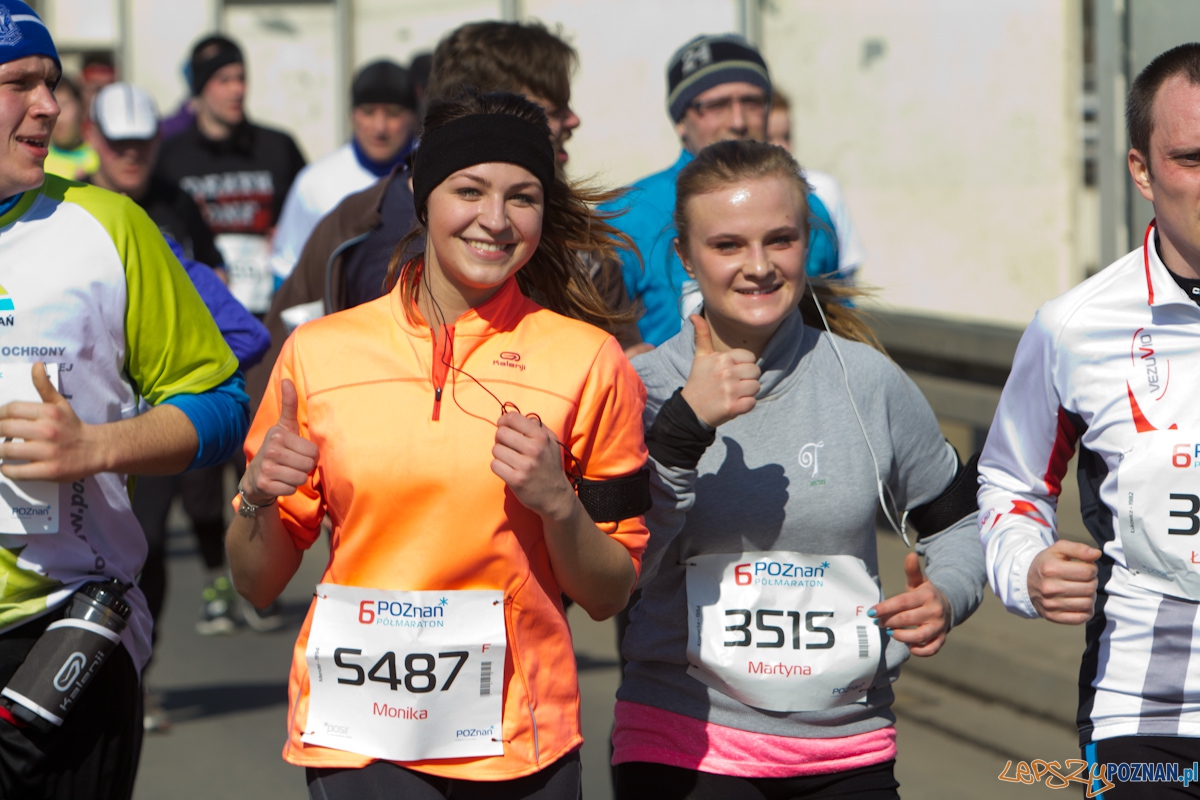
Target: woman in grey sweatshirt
pixel 760 658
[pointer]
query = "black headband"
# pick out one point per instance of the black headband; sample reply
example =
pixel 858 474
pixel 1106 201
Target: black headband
pixel 480 139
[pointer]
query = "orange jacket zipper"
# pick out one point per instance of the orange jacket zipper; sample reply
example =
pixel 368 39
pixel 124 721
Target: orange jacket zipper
pixel 443 354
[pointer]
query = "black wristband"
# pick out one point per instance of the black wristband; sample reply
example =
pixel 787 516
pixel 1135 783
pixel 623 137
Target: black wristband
pixel 678 438
pixel 955 502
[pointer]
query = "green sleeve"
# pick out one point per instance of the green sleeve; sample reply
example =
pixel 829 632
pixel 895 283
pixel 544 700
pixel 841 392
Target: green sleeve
pixel 172 343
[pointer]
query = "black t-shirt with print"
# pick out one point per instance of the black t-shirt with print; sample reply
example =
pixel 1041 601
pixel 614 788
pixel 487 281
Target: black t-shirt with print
pixel 239 183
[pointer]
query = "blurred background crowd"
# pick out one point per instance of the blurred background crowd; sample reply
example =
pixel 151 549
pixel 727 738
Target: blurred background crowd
pixel 966 136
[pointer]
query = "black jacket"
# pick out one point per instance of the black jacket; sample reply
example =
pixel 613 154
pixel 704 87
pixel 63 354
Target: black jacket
pixel 239 183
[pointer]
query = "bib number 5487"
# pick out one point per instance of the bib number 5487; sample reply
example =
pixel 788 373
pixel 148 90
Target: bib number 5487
pixel 418 677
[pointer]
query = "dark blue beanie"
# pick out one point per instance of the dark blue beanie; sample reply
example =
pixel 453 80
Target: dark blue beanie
pixel 709 61
pixel 22 33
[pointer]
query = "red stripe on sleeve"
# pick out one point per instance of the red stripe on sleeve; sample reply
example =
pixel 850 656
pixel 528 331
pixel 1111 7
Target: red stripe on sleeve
pixel 1064 448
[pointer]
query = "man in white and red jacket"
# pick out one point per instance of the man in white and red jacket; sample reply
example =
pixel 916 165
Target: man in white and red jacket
pixel 1110 366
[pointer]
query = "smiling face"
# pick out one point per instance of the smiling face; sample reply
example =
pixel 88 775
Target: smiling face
pixel 745 247
pixel 1169 175
pixel 28 112
pixel 485 222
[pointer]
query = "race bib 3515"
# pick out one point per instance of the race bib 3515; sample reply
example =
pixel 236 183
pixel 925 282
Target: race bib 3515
pixel 783 631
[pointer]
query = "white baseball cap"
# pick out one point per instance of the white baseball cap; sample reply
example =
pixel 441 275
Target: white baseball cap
pixel 124 111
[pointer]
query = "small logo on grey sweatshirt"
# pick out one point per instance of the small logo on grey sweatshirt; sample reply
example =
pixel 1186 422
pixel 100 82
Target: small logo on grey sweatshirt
pixel 808 456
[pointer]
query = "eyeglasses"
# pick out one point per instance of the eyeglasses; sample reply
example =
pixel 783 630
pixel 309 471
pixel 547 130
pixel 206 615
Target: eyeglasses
pixel 750 103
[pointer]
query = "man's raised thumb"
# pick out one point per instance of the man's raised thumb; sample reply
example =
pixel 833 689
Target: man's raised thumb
pixel 45 388
pixel 704 345
pixel 287 412
pixel 913 577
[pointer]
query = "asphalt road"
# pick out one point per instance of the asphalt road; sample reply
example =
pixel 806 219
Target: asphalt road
pixel 227 697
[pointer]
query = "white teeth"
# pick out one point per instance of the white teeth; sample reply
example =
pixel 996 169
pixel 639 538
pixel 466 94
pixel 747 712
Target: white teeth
pixel 491 247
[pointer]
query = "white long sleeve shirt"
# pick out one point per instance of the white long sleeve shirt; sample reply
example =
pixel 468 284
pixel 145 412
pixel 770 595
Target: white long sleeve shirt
pixel 317 190
pixel 1110 366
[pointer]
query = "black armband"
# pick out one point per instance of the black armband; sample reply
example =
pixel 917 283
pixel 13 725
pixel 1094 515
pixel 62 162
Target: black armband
pixel 616 499
pixel 956 502
pixel 678 438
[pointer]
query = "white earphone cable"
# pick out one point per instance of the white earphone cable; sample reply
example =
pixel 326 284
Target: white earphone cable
pixel 901 527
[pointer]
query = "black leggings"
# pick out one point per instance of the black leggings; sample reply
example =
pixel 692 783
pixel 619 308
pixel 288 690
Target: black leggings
pixel 1127 754
pixel 638 780
pixel 383 780
pixel 203 492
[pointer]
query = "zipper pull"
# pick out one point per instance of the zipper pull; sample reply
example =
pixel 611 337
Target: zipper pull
pixel 437 403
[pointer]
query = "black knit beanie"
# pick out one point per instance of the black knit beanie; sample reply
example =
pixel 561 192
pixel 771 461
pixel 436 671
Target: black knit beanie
pixel 383 82
pixel 208 56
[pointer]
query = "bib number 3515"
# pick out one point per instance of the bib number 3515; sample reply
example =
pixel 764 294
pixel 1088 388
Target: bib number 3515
pixel 783 631
pixel 763 619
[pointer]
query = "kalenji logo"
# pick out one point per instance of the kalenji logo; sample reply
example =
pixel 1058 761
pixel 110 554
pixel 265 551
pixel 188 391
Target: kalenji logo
pixel 509 359
pixel 70 671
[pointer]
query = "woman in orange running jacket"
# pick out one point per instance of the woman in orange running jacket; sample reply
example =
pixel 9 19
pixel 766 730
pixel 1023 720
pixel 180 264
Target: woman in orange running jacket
pixel 449 430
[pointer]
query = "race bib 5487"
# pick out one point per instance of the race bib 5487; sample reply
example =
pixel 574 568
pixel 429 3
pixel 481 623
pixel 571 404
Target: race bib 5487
pixel 406 676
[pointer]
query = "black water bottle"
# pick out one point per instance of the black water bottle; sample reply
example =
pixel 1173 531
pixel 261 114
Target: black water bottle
pixel 66 658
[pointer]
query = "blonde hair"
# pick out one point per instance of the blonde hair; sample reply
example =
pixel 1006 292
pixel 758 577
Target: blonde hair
pixel 724 163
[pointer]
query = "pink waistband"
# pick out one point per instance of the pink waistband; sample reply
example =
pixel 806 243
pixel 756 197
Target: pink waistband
pixel 645 733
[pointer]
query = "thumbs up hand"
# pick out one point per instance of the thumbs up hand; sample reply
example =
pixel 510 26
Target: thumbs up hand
pixel 920 616
pixel 286 458
pixel 721 386
pixel 57 445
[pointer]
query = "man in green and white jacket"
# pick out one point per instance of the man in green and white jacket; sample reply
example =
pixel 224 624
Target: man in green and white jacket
pixel 96 314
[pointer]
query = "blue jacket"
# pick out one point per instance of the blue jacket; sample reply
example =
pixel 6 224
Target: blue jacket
pixel 657 280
